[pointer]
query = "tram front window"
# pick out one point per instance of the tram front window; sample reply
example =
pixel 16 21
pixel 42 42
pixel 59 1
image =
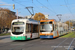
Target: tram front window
pixel 17 30
pixel 46 28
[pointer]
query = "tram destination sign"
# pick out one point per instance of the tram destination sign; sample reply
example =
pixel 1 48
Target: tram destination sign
pixel 18 23
pixel 46 23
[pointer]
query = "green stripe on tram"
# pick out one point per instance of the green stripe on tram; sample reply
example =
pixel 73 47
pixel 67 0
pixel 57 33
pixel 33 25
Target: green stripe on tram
pixel 28 38
pixel 19 38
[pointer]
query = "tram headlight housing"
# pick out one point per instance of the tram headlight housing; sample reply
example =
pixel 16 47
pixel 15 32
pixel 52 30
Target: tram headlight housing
pixel 23 34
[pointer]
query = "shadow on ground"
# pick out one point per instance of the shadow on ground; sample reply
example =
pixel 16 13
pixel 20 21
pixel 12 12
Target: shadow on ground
pixel 25 40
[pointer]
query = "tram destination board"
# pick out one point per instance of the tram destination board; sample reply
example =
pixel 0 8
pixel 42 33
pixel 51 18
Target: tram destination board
pixel 18 23
pixel 46 23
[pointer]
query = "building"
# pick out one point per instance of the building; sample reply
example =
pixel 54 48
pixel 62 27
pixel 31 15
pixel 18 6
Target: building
pixel 73 22
pixel 29 17
pixel 46 16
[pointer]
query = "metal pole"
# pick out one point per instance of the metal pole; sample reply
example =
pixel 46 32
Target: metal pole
pixel 59 16
pixel 69 25
pixel 17 13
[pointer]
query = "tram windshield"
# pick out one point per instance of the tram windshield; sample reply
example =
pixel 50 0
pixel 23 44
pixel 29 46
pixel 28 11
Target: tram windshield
pixel 46 28
pixel 17 30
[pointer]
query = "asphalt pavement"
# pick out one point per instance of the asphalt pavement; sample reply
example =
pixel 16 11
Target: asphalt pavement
pixel 37 44
pixel 4 37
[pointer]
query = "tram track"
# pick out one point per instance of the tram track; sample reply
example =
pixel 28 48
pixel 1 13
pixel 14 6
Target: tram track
pixel 71 43
pixel 64 41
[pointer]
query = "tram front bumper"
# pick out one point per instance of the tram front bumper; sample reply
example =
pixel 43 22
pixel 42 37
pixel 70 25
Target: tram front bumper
pixel 18 37
pixel 46 36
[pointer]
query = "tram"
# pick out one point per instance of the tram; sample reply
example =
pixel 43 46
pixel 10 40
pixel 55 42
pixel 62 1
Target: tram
pixel 52 29
pixel 23 29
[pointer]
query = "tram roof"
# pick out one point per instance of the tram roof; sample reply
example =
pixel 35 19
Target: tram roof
pixel 47 20
pixel 26 20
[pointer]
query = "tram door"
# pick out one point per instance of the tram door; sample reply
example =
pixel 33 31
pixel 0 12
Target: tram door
pixel 35 31
pixel 55 28
pixel 28 30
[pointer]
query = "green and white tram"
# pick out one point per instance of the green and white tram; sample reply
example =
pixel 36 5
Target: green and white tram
pixel 23 29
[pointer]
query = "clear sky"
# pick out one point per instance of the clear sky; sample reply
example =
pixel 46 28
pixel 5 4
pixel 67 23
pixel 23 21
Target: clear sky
pixel 48 7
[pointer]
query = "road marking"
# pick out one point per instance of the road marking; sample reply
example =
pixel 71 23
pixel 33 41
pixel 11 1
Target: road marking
pixel 71 43
pixel 60 44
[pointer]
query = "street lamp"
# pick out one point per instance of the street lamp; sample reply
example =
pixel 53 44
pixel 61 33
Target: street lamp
pixel 17 13
pixel 13 6
pixel 8 5
pixel 69 17
pixel 59 16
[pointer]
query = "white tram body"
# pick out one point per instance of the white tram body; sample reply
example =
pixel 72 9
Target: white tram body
pixel 62 28
pixel 23 29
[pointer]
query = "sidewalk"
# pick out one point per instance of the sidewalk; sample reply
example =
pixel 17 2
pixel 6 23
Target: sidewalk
pixel 4 37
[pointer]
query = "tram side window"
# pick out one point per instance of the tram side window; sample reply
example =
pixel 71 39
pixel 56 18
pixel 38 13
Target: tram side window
pixel 50 22
pixel 35 28
pixel 28 28
pixel 53 27
pixel 56 27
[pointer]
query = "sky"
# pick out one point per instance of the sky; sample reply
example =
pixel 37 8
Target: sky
pixel 48 7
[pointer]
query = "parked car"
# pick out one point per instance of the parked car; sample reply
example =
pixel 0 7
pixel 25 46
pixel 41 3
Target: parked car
pixel 9 31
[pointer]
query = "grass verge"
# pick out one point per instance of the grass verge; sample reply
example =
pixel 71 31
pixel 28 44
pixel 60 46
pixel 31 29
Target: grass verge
pixel 69 35
pixel 3 34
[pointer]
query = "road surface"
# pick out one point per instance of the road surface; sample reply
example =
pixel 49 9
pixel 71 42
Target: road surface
pixel 37 44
